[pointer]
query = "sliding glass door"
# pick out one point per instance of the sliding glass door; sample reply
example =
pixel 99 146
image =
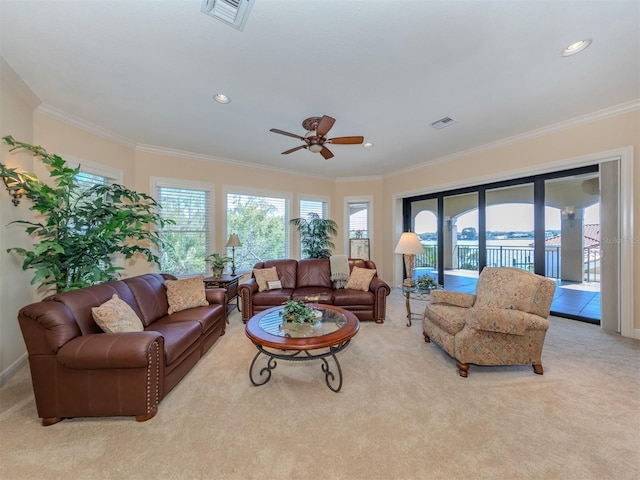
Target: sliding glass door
pixel 572 244
pixel 547 224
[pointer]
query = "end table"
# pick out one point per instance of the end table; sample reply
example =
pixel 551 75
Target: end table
pixel 415 293
pixel 230 282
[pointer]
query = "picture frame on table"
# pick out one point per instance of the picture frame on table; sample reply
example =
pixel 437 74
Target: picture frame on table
pixel 359 248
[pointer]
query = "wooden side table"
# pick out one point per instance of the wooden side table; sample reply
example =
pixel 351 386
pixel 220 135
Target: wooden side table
pixel 230 282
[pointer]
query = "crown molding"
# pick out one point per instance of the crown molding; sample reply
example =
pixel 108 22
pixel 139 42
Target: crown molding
pixel 371 178
pixel 9 75
pixel 170 152
pixel 549 129
pixel 77 122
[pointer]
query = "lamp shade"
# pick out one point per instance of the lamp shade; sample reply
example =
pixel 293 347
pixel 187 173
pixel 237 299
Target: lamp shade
pixel 233 241
pixel 409 243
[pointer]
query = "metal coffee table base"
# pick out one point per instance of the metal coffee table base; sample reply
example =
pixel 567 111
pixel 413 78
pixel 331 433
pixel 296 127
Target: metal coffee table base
pixel 263 375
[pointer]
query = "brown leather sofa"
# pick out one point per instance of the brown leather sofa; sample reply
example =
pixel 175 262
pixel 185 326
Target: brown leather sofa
pixel 312 278
pixel 77 370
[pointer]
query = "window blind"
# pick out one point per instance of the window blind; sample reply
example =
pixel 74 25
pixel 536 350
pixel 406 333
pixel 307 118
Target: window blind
pixel 186 243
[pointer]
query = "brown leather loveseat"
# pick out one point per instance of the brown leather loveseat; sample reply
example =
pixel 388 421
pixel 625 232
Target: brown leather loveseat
pixel 78 370
pixel 301 279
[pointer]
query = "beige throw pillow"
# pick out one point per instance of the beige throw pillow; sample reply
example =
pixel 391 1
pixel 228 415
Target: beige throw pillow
pixel 264 276
pixel 186 293
pixel 360 278
pixel 116 316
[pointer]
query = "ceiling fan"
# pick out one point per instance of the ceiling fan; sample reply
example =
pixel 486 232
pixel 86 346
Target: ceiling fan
pixel 316 136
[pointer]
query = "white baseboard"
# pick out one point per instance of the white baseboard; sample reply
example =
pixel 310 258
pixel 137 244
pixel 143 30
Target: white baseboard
pixel 17 365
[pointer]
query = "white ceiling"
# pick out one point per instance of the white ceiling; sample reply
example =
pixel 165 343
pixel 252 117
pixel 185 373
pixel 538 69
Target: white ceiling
pixel 385 69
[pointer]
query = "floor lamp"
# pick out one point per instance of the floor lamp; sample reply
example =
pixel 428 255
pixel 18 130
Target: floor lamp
pixel 409 246
pixel 233 242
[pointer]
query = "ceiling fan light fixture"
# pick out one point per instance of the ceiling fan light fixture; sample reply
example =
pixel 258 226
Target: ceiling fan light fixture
pixel 315 148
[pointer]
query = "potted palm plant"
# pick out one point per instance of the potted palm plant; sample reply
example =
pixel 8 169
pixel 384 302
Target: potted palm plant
pixel 315 235
pixel 79 231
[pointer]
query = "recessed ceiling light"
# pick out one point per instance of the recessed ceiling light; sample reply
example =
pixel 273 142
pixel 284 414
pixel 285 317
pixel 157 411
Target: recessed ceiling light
pixel 367 144
pixel 576 47
pixel 221 98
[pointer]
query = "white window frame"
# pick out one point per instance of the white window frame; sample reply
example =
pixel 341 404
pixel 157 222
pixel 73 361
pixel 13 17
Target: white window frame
pixel 309 198
pixel 359 199
pixel 86 166
pixel 189 185
pixel 236 190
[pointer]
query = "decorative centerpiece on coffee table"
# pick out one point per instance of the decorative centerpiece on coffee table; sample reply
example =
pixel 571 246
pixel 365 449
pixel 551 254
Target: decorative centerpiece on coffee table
pixel 297 313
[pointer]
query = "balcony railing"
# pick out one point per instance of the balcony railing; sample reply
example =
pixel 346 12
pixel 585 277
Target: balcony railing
pixel 466 258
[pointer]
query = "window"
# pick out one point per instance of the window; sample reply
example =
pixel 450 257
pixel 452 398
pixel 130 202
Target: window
pixel 358 224
pixel 88 180
pixel 313 206
pixel 186 243
pixel 262 225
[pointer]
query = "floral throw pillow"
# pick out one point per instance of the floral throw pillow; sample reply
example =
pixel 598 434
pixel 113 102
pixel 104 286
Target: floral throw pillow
pixel 264 276
pixel 186 293
pixel 360 278
pixel 116 316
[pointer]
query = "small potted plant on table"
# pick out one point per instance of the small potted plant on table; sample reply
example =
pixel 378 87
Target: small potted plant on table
pixel 217 262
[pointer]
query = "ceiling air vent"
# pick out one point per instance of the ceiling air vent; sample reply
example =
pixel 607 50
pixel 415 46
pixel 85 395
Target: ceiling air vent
pixel 443 122
pixel 231 12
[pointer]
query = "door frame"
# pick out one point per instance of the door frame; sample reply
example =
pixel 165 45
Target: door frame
pixel 624 155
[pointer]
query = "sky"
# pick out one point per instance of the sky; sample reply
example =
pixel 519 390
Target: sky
pixel 505 217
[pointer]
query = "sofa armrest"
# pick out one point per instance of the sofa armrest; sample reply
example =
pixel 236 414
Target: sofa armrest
pixel 105 351
pixel 216 296
pixel 377 283
pixel 458 299
pixel 246 291
pixel 512 322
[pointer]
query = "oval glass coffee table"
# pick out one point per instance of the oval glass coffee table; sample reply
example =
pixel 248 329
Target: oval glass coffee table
pixel 278 340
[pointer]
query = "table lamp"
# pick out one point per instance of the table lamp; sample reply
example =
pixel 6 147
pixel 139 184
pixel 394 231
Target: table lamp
pixel 409 245
pixel 233 242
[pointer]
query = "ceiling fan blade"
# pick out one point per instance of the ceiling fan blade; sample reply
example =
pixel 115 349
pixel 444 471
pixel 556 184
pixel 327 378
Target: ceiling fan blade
pixel 326 153
pixel 346 140
pixel 282 132
pixel 294 149
pixel 325 125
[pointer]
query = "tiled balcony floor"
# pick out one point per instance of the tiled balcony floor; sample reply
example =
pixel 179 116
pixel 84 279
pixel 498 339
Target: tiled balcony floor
pixel 571 299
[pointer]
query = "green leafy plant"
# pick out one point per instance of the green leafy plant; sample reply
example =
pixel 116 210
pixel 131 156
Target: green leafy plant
pixel 296 312
pixel 78 231
pixel 217 262
pixel 426 282
pixel 315 234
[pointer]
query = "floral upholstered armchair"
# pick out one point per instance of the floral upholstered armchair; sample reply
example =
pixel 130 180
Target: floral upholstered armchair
pixel 504 323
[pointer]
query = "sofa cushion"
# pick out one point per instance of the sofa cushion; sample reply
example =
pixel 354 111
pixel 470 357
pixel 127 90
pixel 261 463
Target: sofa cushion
pixel 80 301
pixel 272 297
pixel 186 293
pixel 205 316
pixel 506 287
pixel 314 272
pixel 264 276
pixel 116 316
pixel 287 270
pixel 360 278
pixel 449 318
pixel 343 297
pixel 178 337
pixel 324 294
pixel 150 294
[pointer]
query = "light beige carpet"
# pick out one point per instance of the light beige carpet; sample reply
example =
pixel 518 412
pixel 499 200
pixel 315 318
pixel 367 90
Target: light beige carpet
pixel 403 413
